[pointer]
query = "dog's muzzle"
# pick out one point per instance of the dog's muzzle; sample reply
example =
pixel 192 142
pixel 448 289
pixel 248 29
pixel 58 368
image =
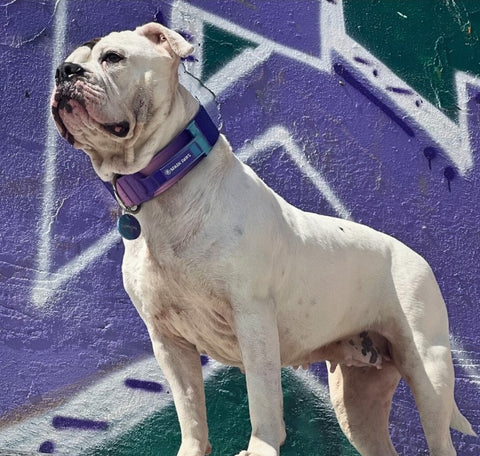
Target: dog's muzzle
pixel 67 77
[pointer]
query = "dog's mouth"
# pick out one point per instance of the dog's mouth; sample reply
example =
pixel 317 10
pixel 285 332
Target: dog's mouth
pixel 64 105
pixel 59 103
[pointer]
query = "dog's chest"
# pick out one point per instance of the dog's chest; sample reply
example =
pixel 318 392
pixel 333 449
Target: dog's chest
pixel 205 322
pixel 180 300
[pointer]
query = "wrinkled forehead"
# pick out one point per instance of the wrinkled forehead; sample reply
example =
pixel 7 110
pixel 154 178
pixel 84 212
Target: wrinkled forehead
pixel 115 41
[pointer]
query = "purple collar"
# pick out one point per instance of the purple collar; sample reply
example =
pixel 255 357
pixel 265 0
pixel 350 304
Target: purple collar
pixel 169 165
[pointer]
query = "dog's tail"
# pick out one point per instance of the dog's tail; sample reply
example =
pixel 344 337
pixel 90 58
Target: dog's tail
pixel 460 423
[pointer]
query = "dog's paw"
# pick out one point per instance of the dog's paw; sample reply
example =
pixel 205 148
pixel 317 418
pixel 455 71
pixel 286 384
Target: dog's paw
pixel 259 447
pixel 249 453
pixel 187 449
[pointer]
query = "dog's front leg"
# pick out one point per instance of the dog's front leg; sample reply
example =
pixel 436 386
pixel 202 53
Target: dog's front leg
pixel 180 362
pixel 257 333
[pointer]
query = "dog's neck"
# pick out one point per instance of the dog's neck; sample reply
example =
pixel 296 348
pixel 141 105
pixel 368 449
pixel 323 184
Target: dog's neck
pixel 171 220
pixel 163 127
pixel 171 217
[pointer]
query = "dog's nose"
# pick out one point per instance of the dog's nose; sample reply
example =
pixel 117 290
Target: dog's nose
pixel 68 70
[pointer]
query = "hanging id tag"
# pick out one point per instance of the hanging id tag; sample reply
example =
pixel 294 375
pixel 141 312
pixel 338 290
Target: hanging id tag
pixel 129 227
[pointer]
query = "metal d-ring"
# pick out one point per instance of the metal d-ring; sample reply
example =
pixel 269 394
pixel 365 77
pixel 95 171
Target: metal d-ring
pixel 123 206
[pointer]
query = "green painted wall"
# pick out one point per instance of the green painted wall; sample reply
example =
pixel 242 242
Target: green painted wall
pixel 306 416
pixel 422 41
pixel 219 47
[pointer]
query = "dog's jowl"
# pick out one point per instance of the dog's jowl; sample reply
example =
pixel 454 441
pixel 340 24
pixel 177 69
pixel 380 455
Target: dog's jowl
pixel 220 264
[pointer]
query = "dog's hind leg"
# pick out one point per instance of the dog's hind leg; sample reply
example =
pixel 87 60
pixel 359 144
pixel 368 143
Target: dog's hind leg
pixel 428 371
pixel 421 352
pixel 362 398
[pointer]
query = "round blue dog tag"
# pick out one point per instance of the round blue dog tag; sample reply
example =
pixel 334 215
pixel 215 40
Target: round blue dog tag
pixel 129 227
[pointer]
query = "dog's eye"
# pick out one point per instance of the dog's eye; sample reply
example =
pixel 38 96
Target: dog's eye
pixel 112 57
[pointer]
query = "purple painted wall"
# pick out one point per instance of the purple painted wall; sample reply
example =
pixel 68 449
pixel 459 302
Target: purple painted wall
pixel 318 116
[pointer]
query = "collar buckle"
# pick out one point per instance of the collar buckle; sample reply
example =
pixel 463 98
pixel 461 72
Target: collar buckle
pixel 123 206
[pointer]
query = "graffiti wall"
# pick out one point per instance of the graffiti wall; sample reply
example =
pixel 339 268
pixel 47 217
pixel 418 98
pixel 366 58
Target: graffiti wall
pixel 366 110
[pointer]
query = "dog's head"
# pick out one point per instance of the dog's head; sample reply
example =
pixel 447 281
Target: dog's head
pixel 109 89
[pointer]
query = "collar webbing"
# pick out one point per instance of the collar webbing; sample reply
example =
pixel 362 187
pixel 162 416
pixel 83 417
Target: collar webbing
pixel 170 164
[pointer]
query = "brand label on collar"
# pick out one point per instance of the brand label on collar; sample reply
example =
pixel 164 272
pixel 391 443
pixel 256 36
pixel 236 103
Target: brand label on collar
pixel 170 169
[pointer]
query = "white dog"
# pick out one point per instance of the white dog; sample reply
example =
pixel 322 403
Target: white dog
pixel 220 264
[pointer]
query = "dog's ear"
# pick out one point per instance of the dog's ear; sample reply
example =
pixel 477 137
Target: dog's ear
pixel 160 34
